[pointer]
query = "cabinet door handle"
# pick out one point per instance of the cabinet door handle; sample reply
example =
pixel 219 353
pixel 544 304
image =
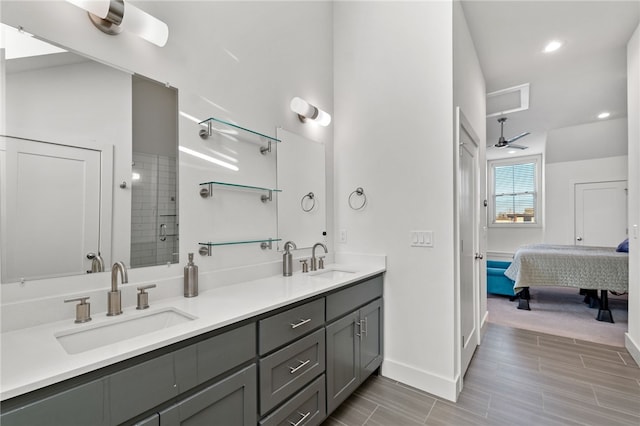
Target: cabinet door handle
pixel 364 328
pixel 302 322
pixel 293 370
pixel 359 324
pixel 299 422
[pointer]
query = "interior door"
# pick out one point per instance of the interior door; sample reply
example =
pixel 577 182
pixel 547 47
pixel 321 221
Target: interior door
pixel 601 213
pixel 53 205
pixel 468 205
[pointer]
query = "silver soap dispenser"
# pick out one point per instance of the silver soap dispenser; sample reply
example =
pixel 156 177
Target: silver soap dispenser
pixel 190 278
pixel 287 258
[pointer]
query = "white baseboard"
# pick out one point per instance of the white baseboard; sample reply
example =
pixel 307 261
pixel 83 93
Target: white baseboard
pixel 423 380
pixel 632 347
pixel 483 323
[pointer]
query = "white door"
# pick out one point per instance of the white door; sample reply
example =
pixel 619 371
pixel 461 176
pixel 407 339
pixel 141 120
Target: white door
pixel 468 202
pixel 601 213
pixel 53 209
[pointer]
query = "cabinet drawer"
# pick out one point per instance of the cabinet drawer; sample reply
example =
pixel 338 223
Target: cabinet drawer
pixel 306 408
pixel 225 351
pixel 347 300
pixel 282 328
pixel 286 371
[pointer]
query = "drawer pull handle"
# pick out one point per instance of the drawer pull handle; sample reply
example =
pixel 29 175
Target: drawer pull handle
pixel 299 422
pixel 302 364
pixel 302 322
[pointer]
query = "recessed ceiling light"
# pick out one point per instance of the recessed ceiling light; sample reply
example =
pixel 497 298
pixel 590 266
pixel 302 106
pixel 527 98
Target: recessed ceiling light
pixel 552 46
pixel 513 151
pixel 604 115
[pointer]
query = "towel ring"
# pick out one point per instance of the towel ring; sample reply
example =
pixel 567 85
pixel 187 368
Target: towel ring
pixel 312 197
pixel 360 193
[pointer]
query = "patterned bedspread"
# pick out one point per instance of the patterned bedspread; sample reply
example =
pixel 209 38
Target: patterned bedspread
pixel 598 268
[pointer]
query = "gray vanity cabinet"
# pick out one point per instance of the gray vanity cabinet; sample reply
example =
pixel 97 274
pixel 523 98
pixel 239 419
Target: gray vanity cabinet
pixel 229 402
pixel 81 406
pixel 354 341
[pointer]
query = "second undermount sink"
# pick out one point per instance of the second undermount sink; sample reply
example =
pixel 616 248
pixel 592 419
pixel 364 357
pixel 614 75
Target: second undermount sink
pixel 332 273
pixel 97 335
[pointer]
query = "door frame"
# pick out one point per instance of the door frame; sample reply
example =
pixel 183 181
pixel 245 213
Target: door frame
pixel 462 124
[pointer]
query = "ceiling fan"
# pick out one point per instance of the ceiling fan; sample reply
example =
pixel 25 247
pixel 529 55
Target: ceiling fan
pixel 502 142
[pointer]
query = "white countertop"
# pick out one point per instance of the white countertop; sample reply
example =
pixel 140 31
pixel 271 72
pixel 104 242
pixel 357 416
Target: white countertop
pixel 33 358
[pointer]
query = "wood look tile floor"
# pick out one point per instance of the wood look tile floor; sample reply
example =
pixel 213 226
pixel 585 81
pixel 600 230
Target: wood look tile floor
pixel 516 377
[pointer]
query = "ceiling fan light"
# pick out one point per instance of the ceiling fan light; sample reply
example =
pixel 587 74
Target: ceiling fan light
pixel 552 46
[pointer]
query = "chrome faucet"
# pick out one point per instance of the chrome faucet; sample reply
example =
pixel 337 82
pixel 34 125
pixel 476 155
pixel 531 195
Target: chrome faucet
pixel 314 261
pixel 114 300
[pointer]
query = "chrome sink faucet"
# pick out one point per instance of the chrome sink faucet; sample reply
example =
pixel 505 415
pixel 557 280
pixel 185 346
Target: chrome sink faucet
pixel 314 261
pixel 114 300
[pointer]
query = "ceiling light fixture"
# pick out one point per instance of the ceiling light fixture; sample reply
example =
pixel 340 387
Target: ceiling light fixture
pixel 306 111
pixel 603 115
pixel 114 16
pixel 552 46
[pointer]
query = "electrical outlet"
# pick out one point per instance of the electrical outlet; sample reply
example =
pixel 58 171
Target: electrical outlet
pixel 343 236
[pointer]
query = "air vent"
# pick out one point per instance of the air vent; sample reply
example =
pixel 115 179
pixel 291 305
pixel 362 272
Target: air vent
pixel 508 100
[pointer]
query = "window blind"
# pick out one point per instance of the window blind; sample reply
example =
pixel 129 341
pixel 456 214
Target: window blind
pixel 515 193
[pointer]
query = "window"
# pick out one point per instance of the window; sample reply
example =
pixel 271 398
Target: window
pixel 515 192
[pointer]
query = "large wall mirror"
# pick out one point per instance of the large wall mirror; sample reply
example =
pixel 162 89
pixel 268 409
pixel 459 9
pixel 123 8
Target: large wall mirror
pixel 302 204
pixel 88 165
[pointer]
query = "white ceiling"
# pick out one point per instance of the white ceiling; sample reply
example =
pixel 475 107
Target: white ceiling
pixel 569 87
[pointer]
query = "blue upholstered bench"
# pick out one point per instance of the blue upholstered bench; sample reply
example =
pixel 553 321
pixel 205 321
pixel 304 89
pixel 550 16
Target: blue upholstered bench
pixel 497 282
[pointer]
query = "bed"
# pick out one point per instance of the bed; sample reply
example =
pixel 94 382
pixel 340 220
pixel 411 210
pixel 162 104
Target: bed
pixel 587 268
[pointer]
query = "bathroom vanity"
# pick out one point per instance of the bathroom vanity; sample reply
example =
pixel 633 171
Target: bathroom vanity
pixel 279 350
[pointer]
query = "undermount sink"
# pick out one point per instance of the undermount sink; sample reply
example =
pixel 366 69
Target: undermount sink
pixel 97 335
pixel 332 273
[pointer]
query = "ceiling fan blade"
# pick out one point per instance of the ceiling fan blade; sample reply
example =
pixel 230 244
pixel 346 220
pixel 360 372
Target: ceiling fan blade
pixel 515 138
pixel 517 146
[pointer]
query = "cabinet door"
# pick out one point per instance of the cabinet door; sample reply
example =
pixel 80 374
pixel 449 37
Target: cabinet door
pixel 343 359
pixel 81 406
pixel 230 402
pixel 371 338
pixel 136 389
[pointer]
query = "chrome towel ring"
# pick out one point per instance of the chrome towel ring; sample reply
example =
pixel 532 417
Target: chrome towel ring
pixel 360 193
pixel 311 197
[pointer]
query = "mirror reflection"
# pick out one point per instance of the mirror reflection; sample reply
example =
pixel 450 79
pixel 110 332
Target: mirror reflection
pixel 88 166
pixel 301 177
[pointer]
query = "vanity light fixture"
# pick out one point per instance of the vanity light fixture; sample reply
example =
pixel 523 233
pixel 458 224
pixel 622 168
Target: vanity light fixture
pixel 306 111
pixel 113 16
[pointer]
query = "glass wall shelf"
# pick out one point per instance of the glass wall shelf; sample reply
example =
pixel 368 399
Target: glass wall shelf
pixel 235 132
pixel 207 189
pixel 205 248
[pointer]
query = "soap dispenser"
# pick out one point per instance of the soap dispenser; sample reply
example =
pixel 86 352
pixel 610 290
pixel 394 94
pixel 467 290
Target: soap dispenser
pixel 287 258
pixel 190 278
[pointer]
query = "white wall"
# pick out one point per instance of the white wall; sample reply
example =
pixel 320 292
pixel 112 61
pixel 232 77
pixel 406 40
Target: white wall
pixel 469 94
pixel 606 138
pixel 633 111
pixel 560 201
pixel 240 61
pixel 393 137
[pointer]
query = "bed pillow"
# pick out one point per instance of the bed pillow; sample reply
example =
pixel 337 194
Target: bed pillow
pixel 623 246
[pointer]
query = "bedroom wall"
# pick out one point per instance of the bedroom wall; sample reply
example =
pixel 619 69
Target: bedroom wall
pixel 560 201
pixel 633 111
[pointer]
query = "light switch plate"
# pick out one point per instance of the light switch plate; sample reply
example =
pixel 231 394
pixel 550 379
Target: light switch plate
pixel 343 236
pixel 421 238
